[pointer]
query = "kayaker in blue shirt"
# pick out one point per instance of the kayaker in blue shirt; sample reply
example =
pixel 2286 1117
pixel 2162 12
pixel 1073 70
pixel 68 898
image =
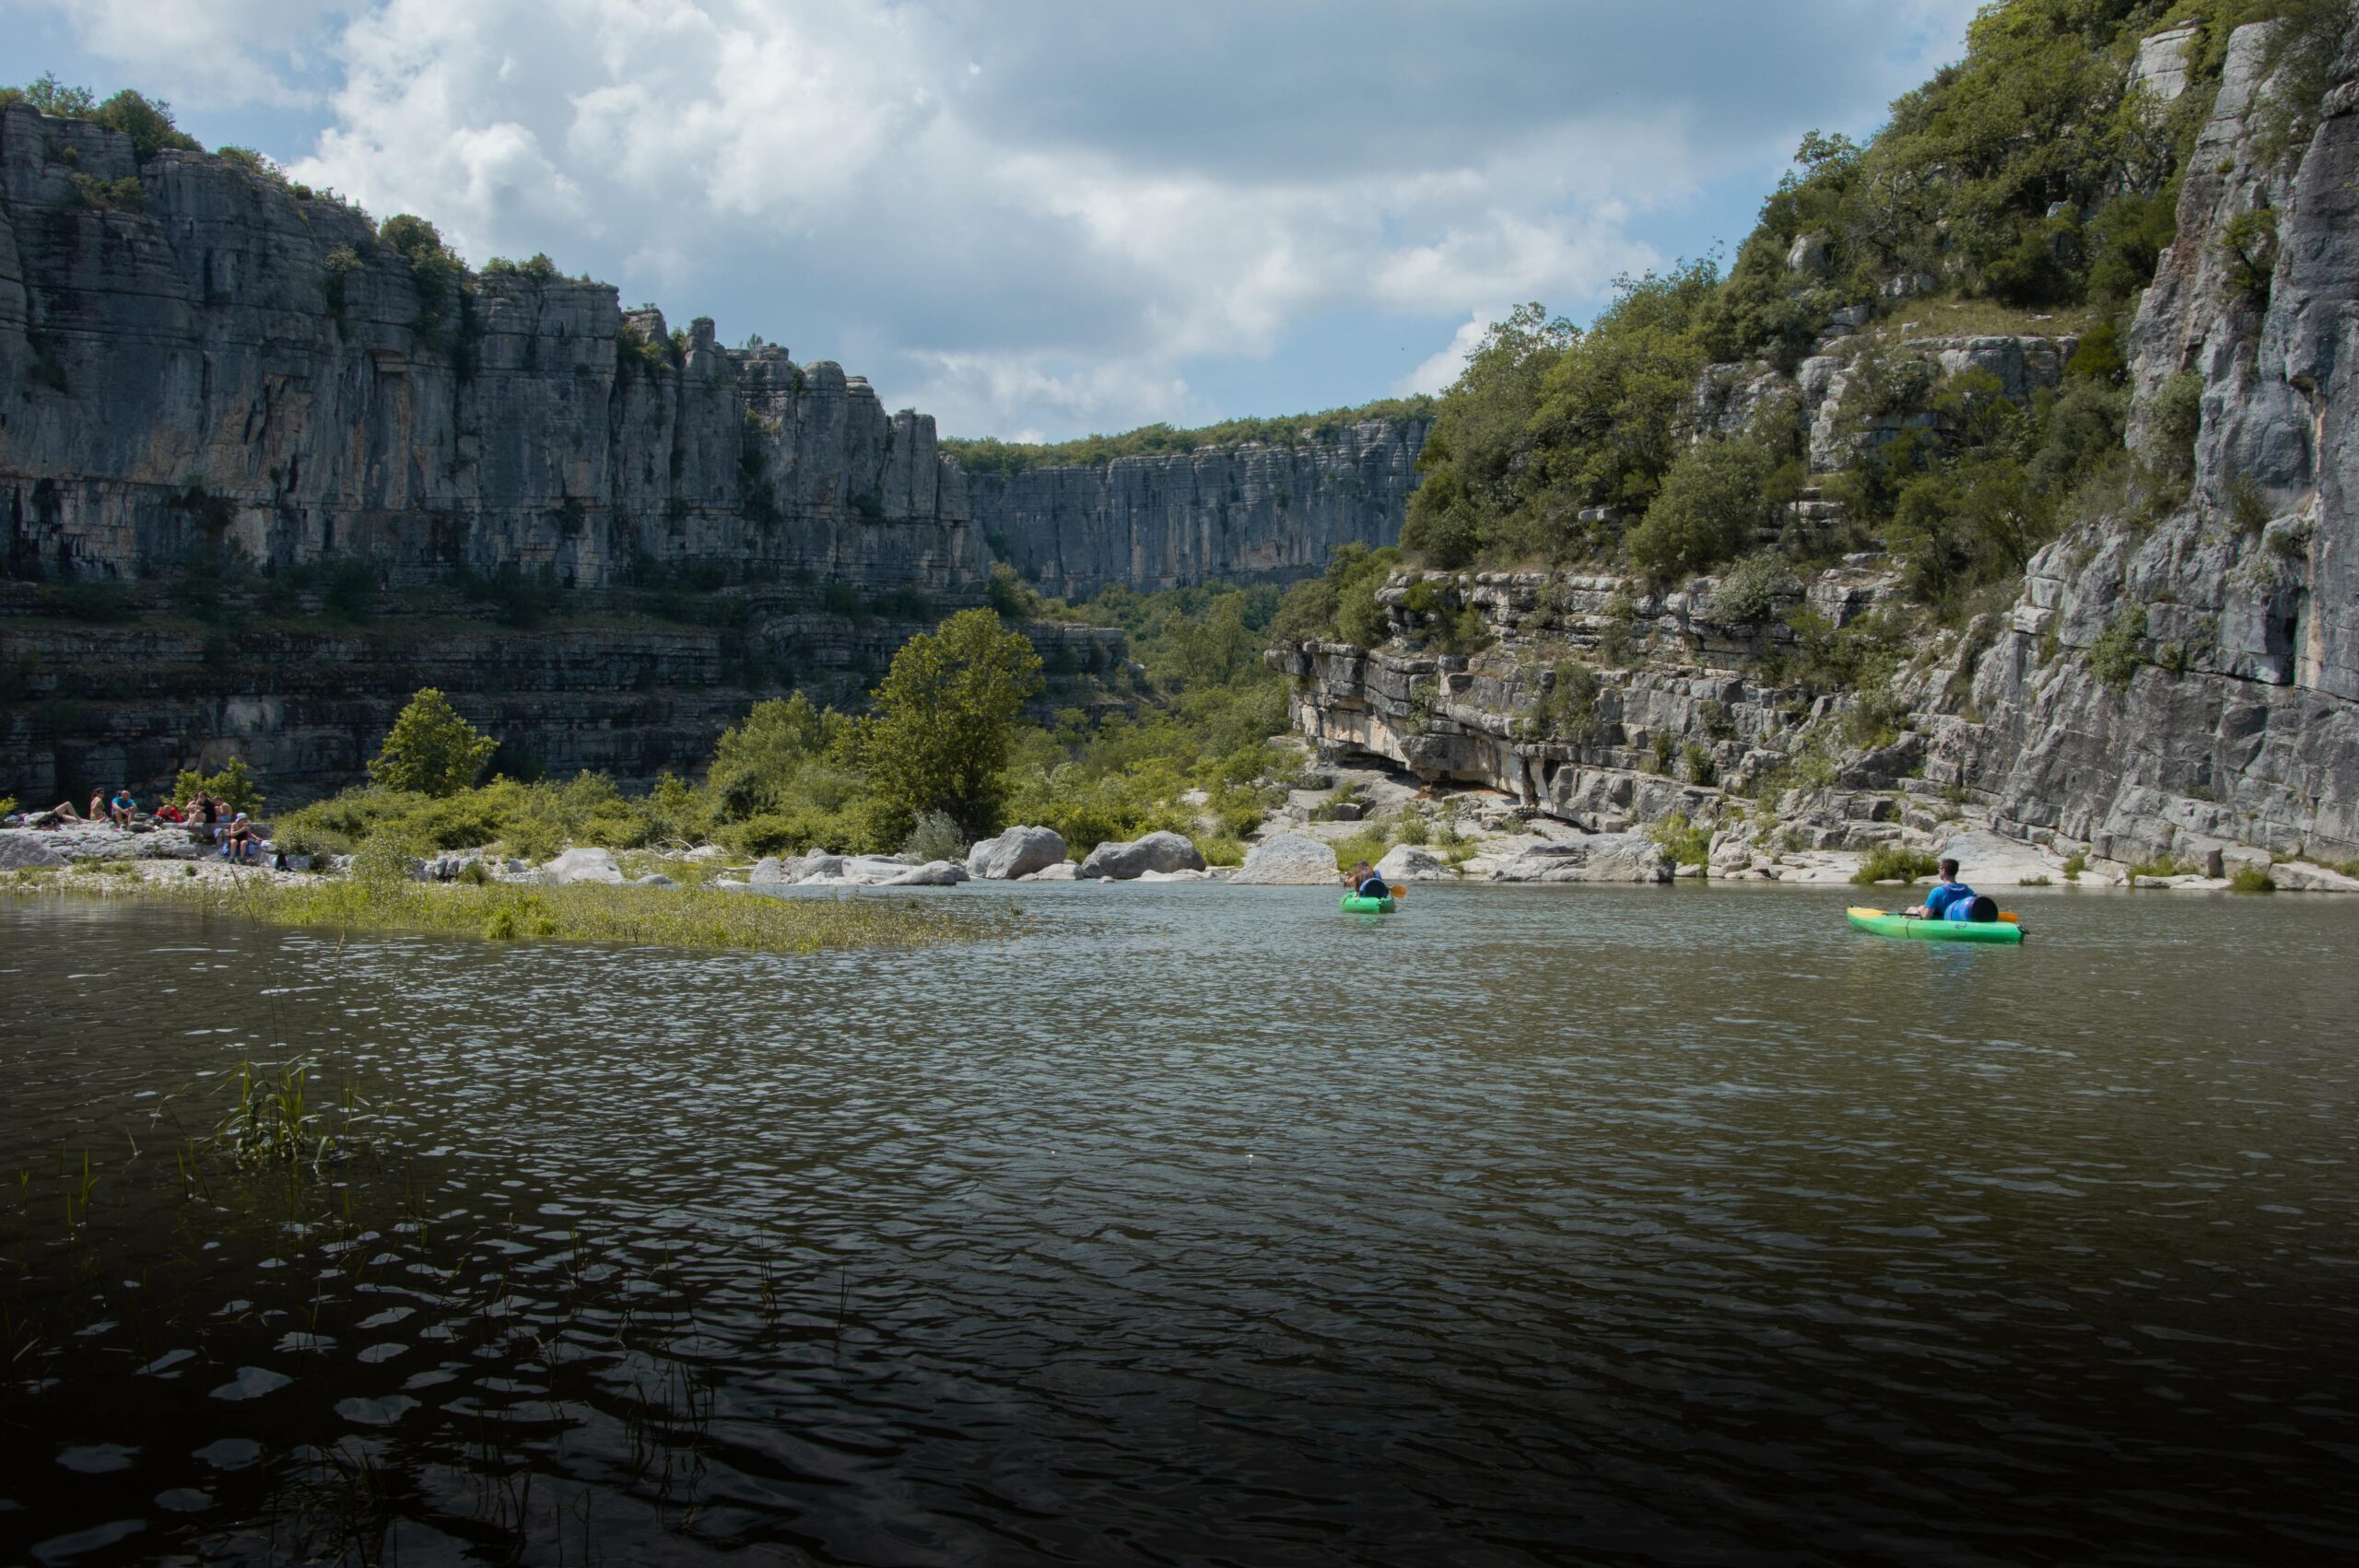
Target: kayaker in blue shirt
pixel 1367 881
pixel 1945 892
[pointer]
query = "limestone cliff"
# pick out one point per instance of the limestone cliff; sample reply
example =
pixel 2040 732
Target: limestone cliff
pixel 260 479
pixel 197 354
pixel 1258 511
pixel 2241 722
pixel 2183 685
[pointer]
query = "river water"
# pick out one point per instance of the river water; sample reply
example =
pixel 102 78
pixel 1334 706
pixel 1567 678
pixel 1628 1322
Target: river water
pixel 1198 1225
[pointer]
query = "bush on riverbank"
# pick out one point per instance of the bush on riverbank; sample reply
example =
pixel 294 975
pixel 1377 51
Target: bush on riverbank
pixel 793 776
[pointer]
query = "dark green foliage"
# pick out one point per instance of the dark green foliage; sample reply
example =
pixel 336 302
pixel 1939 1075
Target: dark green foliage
pixel 1716 500
pixel 430 749
pixel 126 194
pixel 2250 240
pixel 336 267
pixel 945 721
pixel 350 594
pixel 537 269
pixel 434 268
pixel 1002 458
pixel 2174 421
pixel 147 121
pixel 1014 598
pixel 1890 862
pixel 2121 649
pixel 1750 589
pixel 1567 709
pixel 1342 604
pixel 1472 458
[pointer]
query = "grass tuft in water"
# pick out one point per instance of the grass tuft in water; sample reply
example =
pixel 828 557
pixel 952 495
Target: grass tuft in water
pixel 647 915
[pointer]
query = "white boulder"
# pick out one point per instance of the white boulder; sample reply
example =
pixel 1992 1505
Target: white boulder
pixel 22 851
pixel 583 865
pixel 1601 857
pixel 933 874
pixel 1155 852
pixel 1294 860
pixel 1411 863
pixel 1063 870
pixel 1017 852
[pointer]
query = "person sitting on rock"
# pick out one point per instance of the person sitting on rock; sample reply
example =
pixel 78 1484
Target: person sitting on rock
pixel 1946 890
pixel 242 842
pixel 98 811
pixel 123 808
pixel 171 812
pixel 1367 881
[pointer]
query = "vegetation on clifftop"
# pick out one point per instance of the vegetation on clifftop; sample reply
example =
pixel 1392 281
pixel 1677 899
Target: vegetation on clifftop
pixel 1002 458
pixel 2029 178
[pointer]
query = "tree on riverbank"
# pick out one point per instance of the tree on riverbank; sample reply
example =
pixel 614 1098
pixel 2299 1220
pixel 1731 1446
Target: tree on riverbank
pixel 431 750
pixel 946 720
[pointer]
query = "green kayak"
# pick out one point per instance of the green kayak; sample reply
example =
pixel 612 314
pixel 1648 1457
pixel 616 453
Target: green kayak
pixel 1354 905
pixel 1879 923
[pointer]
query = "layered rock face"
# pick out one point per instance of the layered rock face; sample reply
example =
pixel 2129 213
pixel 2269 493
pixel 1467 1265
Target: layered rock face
pixel 220 394
pixel 200 355
pixel 2242 724
pixel 1255 513
pixel 2221 724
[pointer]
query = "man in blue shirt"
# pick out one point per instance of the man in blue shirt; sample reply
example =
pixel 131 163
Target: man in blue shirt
pixel 1945 892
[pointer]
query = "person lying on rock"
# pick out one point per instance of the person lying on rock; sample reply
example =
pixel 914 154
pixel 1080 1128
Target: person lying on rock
pixel 1950 899
pixel 123 807
pixel 1367 881
pixel 61 813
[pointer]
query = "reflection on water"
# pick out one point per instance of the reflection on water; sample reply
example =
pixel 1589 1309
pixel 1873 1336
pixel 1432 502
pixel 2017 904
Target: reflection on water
pixel 1201 1225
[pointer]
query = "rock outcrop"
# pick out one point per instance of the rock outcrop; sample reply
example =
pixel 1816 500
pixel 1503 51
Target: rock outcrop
pixel 1019 852
pixel 1155 852
pixel 2182 688
pixel 1254 512
pixel 204 357
pixel 1606 857
pixel 1289 859
pixel 2240 720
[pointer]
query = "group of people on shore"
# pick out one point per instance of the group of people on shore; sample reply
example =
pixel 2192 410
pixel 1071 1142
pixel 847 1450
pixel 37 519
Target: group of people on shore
pixel 206 818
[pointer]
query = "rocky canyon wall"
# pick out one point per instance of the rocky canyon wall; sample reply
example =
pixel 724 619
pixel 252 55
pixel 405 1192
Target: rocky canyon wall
pixel 2184 685
pixel 1254 512
pixel 198 355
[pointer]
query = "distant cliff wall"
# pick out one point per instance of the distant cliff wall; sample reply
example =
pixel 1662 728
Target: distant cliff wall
pixel 1255 513
pixel 199 355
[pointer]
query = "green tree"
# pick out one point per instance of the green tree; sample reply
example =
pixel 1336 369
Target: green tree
pixel 234 786
pixel 946 716
pixel 430 749
pixel 1715 500
pixel 757 762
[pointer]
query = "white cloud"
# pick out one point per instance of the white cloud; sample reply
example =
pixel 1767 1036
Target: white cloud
pixel 1438 369
pixel 1024 215
pixel 199 53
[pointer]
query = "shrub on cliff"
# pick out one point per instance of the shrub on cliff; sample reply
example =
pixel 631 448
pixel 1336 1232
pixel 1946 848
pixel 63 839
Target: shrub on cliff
pixel 1340 605
pixel 147 121
pixel 945 716
pixel 431 750
pixel 2120 650
pixel 1716 500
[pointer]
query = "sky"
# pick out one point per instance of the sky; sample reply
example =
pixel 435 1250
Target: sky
pixel 1040 218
